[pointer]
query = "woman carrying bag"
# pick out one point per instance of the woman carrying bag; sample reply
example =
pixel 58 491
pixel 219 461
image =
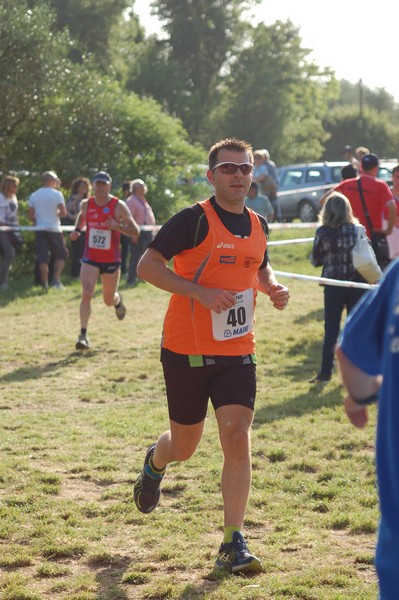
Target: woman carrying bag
pixel 333 244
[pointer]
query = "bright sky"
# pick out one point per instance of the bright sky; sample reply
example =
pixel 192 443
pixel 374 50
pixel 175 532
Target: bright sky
pixel 357 41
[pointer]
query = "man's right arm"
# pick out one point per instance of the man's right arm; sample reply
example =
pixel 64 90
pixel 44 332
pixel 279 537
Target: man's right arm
pixel 153 267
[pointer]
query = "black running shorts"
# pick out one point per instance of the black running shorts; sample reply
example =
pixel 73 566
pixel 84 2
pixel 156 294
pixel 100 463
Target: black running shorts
pixel 189 388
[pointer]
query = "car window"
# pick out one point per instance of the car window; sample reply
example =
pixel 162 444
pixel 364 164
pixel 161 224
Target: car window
pixel 292 177
pixel 315 175
pixel 384 174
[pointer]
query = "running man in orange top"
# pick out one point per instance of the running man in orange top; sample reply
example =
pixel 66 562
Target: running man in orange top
pixel 105 217
pixel 208 344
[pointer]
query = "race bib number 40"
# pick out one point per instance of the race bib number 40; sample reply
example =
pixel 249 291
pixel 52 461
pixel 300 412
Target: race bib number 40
pixel 237 321
pixel 100 239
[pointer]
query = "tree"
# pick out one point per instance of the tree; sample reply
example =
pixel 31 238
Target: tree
pixel 373 129
pixel 66 116
pixel 273 98
pixel 201 36
pixel 90 23
pixel 31 62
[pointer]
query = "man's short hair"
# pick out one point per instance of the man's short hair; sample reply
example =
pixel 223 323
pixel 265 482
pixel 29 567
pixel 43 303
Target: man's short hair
pixel 370 161
pixel 49 175
pixel 138 183
pixel 254 186
pixel 229 144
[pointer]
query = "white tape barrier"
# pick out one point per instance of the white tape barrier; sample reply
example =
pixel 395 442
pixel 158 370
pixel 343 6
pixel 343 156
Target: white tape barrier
pixel 151 227
pixel 324 280
pixel 293 225
pixel 327 281
pixel 63 228
pixel 284 242
pixel 307 190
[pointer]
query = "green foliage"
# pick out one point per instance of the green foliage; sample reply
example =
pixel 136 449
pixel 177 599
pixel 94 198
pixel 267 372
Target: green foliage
pixel 372 129
pixel 31 62
pixel 90 23
pixel 84 89
pixel 273 97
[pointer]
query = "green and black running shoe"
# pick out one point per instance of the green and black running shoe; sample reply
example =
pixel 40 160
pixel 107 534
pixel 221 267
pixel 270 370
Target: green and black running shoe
pixel 234 557
pixel 147 486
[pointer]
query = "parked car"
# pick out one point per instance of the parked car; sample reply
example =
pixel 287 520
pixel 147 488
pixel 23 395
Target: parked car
pixel 385 170
pixel 301 187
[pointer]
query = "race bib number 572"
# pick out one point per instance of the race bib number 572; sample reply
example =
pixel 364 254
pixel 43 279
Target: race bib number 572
pixel 100 239
pixel 237 321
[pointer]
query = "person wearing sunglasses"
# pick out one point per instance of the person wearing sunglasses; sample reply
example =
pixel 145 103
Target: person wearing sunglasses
pixel 220 257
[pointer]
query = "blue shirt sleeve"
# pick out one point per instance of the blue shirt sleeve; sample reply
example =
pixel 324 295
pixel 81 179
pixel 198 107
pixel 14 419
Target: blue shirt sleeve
pixel 363 336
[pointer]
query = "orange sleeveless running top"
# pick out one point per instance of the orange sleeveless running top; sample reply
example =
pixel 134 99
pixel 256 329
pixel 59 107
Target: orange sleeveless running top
pixel 224 261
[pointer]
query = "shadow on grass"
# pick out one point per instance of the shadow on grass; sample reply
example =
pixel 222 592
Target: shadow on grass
pixel 305 403
pixel 110 577
pixel 37 371
pixel 313 315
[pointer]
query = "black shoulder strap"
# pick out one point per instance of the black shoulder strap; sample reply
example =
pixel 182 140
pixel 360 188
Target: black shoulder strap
pixel 366 212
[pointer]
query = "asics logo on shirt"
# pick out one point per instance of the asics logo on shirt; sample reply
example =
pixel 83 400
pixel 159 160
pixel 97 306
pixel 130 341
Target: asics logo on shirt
pixel 223 245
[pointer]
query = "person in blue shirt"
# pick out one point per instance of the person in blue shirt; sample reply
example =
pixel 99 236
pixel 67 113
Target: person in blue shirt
pixel 368 355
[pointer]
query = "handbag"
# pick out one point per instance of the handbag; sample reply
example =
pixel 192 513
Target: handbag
pixel 364 258
pixel 378 240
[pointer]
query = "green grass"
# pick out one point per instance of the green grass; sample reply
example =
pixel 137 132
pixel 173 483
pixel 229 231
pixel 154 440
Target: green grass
pixel 74 428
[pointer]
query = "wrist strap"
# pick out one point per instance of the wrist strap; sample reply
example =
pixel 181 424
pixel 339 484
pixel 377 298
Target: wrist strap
pixel 366 401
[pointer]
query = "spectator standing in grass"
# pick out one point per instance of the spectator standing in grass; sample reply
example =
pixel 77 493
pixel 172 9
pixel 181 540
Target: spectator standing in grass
pixel 332 250
pixel 8 216
pixel 352 168
pixel 46 208
pixel 208 344
pixel 105 218
pixel 259 202
pixel 266 174
pixel 80 189
pixel 377 197
pixel 125 240
pixel 393 238
pixel 368 356
pixel 143 215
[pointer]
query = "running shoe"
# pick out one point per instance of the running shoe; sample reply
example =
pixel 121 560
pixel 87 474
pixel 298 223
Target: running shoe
pixel 82 343
pixel 57 285
pixel 120 309
pixel 147 486
pixel 234 557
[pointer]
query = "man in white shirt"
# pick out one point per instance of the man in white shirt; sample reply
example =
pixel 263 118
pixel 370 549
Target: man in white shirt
pixel 46 207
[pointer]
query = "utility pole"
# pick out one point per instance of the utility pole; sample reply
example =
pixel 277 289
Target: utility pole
pixel 361 101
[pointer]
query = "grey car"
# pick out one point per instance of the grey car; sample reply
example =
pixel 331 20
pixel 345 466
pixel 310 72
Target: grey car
pixel 301 187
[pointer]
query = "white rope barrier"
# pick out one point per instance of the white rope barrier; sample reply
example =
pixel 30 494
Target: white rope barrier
pixel 323 280
pixel 293 225
pixel 295 241
pixel 277 226
pixel 327 281
pixel 63 228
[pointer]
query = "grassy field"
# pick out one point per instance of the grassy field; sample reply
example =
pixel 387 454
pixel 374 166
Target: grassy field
pixel 74 428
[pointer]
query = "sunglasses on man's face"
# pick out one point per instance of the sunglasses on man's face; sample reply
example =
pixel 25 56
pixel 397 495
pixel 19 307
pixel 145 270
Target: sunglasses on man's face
pixel 229 168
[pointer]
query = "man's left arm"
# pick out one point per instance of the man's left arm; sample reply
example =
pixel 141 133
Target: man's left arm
pixel 123 221
pixel 268 284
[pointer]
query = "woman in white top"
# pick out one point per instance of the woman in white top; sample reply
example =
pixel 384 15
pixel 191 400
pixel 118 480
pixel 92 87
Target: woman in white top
pixel 8 216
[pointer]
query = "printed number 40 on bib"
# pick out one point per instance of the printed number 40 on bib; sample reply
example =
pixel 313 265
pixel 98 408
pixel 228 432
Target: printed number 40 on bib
pixel 237 321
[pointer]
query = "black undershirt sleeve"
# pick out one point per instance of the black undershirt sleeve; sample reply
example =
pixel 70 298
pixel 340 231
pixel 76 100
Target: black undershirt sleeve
pixel 188 228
